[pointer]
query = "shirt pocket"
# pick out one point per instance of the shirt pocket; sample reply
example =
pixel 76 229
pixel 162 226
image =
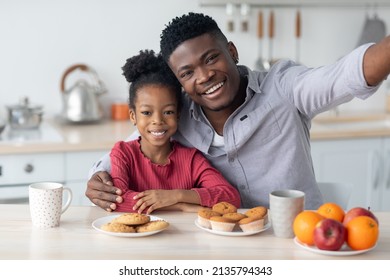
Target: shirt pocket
pixel 260 124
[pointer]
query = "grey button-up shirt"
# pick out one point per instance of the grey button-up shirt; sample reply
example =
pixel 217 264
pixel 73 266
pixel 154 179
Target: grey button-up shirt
pixel 267 139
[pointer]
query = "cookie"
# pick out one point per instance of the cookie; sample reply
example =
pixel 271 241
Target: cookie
pixel 224 208
pixel 257 212
pixel 152 226
pixel 132 219
pixel 116 227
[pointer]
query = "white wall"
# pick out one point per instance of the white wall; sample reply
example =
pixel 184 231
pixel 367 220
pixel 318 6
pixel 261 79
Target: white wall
pixel 39 39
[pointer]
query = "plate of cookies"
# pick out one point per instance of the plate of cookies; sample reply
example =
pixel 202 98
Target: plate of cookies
pixel 224 219
pixel 130 225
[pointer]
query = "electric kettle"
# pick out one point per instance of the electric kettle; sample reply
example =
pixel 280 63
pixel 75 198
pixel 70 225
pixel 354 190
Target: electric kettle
pixel 81 100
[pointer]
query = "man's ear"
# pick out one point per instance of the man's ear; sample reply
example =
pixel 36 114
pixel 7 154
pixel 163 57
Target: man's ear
pixel 233 51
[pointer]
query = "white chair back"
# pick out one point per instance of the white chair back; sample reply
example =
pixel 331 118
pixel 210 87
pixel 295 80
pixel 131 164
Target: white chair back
pixel 336 192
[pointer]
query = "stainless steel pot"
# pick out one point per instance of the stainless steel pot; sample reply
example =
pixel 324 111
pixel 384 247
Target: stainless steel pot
pixel 24 116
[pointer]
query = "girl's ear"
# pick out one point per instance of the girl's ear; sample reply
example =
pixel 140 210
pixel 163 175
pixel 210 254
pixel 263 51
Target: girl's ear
pixel 133 119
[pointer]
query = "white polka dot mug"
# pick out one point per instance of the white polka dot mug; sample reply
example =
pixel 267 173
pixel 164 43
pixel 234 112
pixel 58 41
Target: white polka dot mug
pixel 46 205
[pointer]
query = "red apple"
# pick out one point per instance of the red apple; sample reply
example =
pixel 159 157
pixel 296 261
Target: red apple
pixel 358 211
pixel 330 235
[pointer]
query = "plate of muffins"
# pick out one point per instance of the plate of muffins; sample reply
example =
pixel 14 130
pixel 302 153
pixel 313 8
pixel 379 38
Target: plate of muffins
pixel 224 219
pixel 130 225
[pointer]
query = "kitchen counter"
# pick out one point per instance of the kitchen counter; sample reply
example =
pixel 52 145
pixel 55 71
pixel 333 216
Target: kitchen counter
pixel 75 239
pixel 56 136
pixel 350 125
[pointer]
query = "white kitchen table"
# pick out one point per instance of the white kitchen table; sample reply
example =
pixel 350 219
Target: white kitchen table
pixel 76 239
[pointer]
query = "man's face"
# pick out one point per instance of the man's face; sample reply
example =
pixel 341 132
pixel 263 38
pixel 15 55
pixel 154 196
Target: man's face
pixel 206 69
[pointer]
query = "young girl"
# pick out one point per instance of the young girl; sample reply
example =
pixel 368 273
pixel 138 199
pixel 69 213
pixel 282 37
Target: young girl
pixel 155 172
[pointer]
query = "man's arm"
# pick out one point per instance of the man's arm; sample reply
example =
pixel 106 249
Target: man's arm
pixel 376 62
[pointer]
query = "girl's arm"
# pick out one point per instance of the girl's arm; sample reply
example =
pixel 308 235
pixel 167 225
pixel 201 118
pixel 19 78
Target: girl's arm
pixel 121 169
pixel 210 185
pixel 174 199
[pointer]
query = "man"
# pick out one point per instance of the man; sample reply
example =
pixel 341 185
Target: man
pixel 253 126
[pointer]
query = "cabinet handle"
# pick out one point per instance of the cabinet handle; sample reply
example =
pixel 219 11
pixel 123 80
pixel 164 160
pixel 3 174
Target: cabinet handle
pixel 29 168
pixel 388 171
pixel 376 163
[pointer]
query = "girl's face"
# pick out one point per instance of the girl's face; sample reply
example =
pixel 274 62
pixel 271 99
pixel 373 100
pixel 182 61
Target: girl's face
pixel 155 115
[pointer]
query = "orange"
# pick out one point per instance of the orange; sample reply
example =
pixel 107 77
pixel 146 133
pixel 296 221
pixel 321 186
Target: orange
pixel 362 233
pixel 332 211
pixel 304 224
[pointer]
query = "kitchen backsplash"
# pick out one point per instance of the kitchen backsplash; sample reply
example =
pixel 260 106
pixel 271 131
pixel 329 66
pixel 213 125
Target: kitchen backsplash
pixel 42 38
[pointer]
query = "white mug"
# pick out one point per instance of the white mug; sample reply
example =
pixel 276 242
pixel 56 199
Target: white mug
pixel 46 203
pixel 285 205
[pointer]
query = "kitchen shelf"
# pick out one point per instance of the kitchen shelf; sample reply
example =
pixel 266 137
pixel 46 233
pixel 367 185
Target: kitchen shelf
pixel 298 3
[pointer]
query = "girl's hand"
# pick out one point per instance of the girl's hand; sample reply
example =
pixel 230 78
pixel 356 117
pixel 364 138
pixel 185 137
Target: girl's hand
pixel 154 199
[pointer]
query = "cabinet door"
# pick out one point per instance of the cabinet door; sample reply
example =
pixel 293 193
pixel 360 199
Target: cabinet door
pixel 78 193
pixel 30 168
pixel 355 161
pixel 77 165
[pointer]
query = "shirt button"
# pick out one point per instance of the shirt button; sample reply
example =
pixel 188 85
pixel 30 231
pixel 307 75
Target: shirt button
pixel 231 159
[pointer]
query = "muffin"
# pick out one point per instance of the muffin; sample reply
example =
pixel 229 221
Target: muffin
pixel 258 212
pixel 222 224
pixel 234 216
pixel 204 216
pixel 224 208
pixel 251 224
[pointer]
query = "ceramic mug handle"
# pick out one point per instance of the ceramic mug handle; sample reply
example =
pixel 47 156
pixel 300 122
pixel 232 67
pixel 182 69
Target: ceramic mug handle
pixel 68 201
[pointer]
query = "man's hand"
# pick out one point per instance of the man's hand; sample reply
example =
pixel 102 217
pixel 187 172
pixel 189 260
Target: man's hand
pixel 101 191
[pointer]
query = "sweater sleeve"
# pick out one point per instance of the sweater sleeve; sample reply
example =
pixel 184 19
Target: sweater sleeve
pixel 122 166
pixel 210 185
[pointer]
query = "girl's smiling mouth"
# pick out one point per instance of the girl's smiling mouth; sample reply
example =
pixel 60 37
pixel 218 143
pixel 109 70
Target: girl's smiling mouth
pixel 158 133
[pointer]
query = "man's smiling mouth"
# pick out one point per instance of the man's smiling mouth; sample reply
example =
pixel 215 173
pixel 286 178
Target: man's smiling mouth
pixel 214 88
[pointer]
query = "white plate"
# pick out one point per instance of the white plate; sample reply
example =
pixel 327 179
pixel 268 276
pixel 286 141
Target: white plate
pixel 344 251
pixel 233 233
pixel 101 221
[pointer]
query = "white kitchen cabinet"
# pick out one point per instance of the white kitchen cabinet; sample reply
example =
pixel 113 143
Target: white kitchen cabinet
pixel 77 165
pixel 17 172
pixel 360 161
pixel 71 168
pixel 384 188
pixel 29 168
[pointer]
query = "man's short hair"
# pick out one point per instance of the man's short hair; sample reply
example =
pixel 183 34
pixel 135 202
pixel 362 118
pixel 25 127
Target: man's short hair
pixel 186 27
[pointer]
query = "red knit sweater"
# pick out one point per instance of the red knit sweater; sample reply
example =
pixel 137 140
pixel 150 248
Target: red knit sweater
pixel 187 169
